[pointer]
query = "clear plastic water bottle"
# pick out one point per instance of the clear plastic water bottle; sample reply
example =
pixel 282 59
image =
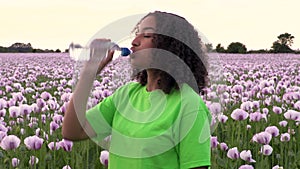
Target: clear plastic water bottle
pixel 78 52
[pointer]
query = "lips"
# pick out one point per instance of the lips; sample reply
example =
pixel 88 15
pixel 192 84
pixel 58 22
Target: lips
pixel 132 53
pixel 132 49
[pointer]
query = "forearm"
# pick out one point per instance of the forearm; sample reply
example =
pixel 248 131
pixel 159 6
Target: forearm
pixel 74 124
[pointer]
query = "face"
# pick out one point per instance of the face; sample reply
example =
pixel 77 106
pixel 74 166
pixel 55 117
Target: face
pixel 142 43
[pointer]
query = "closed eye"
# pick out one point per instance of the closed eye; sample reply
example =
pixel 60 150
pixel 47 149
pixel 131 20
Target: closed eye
pixel 145 35
pixel 148 35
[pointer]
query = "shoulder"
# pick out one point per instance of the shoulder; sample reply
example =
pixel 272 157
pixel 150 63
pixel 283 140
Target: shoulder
pixel 190 98
pixel 193 103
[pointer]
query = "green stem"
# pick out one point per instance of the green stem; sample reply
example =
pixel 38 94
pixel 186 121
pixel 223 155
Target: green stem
pixel 87 154
pixel 262 158
pixel 287 153
pixel 239 133
pixel 54 154
pixel 281 153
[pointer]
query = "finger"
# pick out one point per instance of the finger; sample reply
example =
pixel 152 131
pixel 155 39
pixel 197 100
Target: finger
pixel 110 54
pixel 107 59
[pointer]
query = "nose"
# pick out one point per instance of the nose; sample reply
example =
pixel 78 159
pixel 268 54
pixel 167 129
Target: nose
pixel 135 42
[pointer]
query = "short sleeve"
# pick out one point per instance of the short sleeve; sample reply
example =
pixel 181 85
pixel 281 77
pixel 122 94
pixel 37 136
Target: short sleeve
pixel 100 118
pixel 194 147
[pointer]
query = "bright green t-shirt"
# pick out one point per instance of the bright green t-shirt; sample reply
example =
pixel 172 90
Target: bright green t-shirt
pixel 152 130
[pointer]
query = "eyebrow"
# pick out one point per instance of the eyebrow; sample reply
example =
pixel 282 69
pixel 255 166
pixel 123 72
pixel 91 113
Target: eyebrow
pixel 147 28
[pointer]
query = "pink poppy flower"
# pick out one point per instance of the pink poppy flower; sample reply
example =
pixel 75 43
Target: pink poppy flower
pixel 239 114
pixel 53 126
pixel 277 110
pixel 33 160
pixel 238 89
pixel 266 150
pixel 262 138
pixel 285 137
pixel 57 118
pixel 104 156
pixel 10 142
pixel 33 142
pixel 40 103
pixel 292 115
pixel 223 146
pixel 246 156
pixel 246 166
pixel 215 108
pixel 273 130
pixel 283 123
pixel 213 142
pixel 2 113
pixel 66 167
pixel 14 111
pixel 15 162
pixel 222 118
pixel 66 145
pixel 247 106
pixel 25 109
pixel 45 95
pixel 233 153
pixel 54 146
pixel 255 104
pixel 257 116
pixel 277 167
pixel 3 103
pixel 297 105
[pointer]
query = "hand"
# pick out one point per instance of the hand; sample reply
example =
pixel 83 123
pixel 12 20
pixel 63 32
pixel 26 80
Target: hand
pixel 100 55
pixel 99 49
pixel 105 60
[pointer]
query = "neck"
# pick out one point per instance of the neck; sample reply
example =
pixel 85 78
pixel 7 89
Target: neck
pixel 152 80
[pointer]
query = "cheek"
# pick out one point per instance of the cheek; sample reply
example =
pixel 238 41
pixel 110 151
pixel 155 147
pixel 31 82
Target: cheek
pixel 147 43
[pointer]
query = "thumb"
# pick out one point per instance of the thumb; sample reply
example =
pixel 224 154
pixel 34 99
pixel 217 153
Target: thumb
pixel 110 55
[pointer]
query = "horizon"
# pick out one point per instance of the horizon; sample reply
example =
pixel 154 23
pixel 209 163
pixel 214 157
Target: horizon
pixel 54 24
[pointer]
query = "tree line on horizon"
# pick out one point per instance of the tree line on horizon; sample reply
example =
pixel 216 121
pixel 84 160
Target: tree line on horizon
pixel 281 45
pixel 25 48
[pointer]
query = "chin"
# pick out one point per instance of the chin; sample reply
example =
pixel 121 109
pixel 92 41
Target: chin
pixel 135 66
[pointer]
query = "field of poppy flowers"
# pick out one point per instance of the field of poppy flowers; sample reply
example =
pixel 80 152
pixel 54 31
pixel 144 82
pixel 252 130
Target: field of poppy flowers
pixel 259 123
pixel 256 122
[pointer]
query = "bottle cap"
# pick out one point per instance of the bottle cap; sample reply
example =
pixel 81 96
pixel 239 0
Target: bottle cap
pixel 125 52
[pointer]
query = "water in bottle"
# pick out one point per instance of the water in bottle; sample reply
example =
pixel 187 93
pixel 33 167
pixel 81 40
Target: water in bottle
pixel 82 53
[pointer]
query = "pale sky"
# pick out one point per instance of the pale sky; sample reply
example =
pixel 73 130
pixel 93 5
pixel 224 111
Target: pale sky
pixel 54 24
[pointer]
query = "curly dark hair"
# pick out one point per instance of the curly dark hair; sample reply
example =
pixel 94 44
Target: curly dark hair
pixel 177 36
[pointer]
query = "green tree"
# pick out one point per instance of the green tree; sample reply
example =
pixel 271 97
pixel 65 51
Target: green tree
pixel 285 39
pixel 220 49
pixel 20 48
pixel 236 47
pixel 3 49
pixel 283 44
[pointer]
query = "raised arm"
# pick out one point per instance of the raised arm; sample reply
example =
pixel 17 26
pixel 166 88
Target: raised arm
pixel 75 126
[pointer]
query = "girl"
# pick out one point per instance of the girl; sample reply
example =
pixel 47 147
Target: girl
pixel 158 121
